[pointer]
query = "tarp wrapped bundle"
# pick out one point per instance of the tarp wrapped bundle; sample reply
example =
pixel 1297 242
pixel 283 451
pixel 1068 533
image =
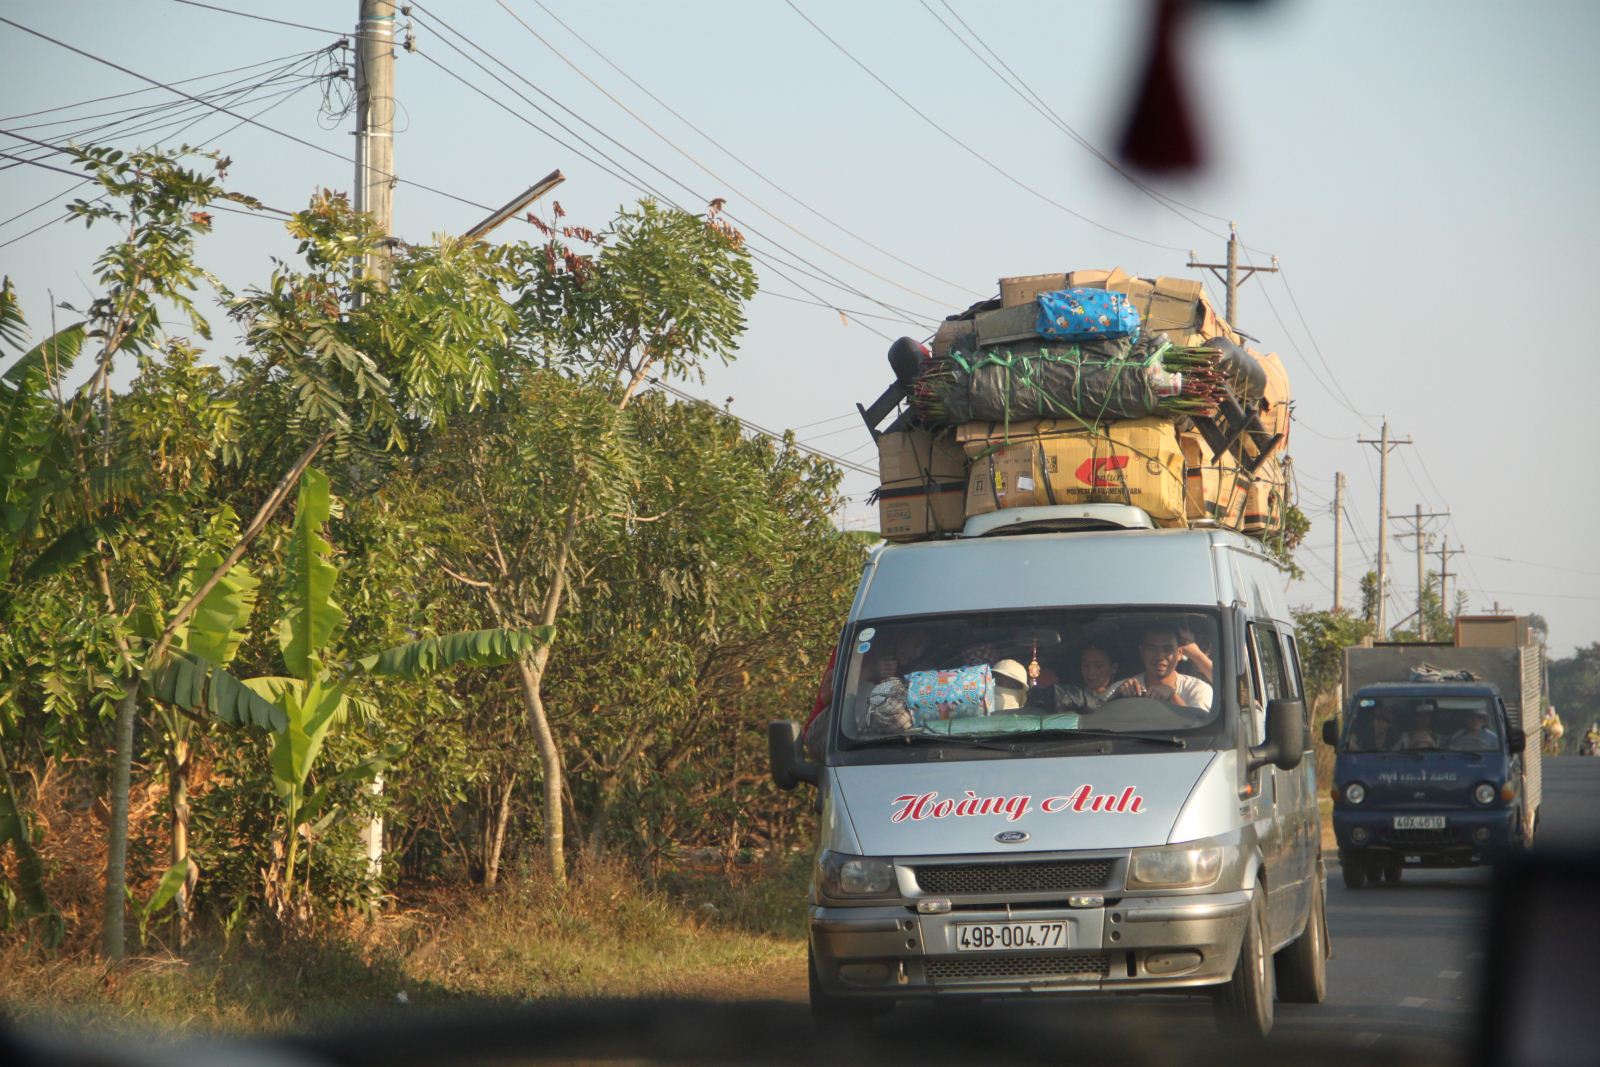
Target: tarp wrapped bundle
pixel 1090 381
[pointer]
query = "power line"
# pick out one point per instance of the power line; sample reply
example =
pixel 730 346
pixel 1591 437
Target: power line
pixel 1034 100
pixel 259 18
pixel 147 89
pixel 762 430
pixel 737 159
pixel 979 156
pixel 909 315
pixel 1315 347
pixel 270 129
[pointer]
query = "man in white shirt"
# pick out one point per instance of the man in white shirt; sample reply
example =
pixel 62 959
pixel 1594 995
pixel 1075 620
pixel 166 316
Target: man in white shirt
pixel 1161 651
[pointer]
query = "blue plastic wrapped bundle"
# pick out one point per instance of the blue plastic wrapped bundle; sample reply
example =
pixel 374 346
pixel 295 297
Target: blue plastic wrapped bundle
pixel 955 693
pixel 1086 315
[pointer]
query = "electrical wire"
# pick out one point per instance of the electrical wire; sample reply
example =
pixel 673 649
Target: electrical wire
pixel 150 89
pixel 259 18
pixel 270 129
pixel 1315 347
pixel 964 146
pixel 644 187
pixel 1037 102
pixel 747 166
pixel 911 316
pixel 696 162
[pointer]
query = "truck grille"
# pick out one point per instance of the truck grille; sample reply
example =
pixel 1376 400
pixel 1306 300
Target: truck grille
pixel 962 879
pixel 1053 965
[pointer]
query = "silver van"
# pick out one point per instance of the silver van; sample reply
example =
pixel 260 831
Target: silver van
pixel 1064 755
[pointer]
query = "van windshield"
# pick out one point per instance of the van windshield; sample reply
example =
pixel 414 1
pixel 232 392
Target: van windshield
pixel 1043 672
pixel 1423 724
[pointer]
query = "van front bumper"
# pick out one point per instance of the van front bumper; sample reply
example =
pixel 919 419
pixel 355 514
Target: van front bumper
pixel 1469 835
pixel 1135 943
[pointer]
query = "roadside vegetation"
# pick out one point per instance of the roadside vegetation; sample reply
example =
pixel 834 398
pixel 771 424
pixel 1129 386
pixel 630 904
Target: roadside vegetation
pixel 392 627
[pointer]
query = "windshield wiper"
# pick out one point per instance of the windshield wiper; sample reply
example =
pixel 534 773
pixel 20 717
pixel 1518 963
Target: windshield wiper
pixel 923 739
pixel 1114 735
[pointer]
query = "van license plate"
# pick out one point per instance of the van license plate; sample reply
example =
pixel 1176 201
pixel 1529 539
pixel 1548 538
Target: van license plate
pixel 988 937
pixel 1419 822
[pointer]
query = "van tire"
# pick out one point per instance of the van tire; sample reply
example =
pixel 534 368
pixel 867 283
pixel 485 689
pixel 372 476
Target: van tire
pixel 1243 1007
pixel 1353 869
pixel 829 1012
pixel 1302 965
pixel 1392 873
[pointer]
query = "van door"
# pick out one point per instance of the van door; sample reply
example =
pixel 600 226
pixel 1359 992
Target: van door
pixel 1278 788
pixel 1307 819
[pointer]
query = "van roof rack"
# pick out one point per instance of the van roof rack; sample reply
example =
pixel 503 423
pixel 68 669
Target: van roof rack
pixel 1058 518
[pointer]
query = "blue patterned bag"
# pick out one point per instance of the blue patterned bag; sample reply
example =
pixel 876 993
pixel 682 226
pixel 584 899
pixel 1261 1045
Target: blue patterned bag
pixel 1086 315
pixel 957 693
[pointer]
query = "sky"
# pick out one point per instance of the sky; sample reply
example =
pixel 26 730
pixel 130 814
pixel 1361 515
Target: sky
pixel 1424 173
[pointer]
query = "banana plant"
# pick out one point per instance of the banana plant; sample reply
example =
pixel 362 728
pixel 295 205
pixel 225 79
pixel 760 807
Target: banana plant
pixel 318 693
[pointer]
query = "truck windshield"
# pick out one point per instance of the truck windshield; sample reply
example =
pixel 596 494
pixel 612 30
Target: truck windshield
pixel 1049 673
pixel 1423 724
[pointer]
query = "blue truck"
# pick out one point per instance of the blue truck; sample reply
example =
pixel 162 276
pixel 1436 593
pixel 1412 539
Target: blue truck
pixel 1438 751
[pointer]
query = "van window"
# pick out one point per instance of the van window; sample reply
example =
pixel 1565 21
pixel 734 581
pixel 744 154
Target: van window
pixel 1044 672
pixel 1269 656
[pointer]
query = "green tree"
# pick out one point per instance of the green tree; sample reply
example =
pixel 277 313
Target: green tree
pixel 664 292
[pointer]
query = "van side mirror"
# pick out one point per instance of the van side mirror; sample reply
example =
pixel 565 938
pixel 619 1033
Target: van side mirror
pixel 1330 732
pixel 1516 739
pixel 789 766
pixel 1286 736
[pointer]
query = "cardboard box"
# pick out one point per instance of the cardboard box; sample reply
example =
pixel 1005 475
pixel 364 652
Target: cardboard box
pixel 918 456
pixel 1214 490
pixel 1024 287
pixel 975 437
pixel 1276 417
pixel 1136 462
pixel 1263 505
pixel 914 510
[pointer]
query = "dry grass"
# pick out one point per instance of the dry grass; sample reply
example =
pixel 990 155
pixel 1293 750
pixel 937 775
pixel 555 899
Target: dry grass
pixel 607 936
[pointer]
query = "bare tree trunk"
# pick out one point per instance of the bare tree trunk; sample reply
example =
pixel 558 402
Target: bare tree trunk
pixel 497 838
pixel 117 850
pixel 550 760
pixel 178 792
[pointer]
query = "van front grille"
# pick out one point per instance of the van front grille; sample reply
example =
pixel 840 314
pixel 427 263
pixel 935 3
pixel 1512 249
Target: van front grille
pixel 1049 876
pixel 1052 965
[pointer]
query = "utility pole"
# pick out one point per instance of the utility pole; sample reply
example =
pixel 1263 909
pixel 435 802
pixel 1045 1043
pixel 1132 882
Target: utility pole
pixel 375 123
pixel 1445 552
pixel 375 195
pixel 1232 278
pixel 1419 532
pixel 1338 541
pixel 1385 444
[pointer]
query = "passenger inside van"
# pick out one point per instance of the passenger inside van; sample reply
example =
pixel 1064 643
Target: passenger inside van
pixel 1098 671
pixel 1159 651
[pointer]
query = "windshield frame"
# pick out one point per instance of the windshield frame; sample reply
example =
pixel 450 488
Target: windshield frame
pixel 1363 706
pixel 1218 733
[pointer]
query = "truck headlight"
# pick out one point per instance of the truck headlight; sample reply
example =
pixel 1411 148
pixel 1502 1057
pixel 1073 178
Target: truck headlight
pixel 1484 793
pixel 1355 793
pixel 857 876
pixel 1174 867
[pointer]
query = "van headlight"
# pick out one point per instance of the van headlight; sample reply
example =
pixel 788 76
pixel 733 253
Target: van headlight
pixel 1484 794
pixel 1174 867
pixel 1355 793
pixel 857 876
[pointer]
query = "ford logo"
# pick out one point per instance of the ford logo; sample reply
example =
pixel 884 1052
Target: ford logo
pixel 1011 837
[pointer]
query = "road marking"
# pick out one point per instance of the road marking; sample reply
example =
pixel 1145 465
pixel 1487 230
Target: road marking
pixel 1449 974
pixel 1413 1002
pixel 1366 1040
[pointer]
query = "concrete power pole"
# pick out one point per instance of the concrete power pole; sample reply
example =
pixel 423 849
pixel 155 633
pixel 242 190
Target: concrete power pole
pixel 1338 541
pixel 1420 532
pixel 375 122
pixel 375 195
pixel 1232 278
pixel 1445 552
pixel 1385 444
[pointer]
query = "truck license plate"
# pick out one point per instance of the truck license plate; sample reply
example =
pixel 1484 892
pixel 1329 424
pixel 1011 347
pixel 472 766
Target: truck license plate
pixel 1419 822
pixel 981 937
